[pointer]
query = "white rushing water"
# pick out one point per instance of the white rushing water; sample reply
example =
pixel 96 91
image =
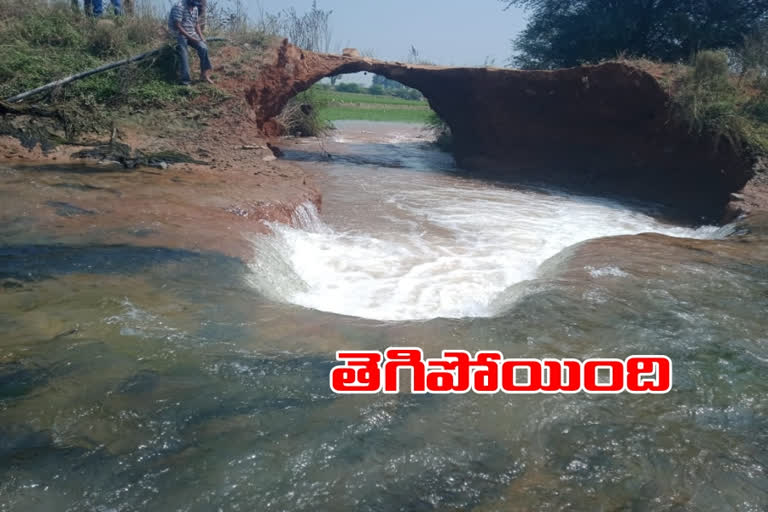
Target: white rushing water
pixel 397 244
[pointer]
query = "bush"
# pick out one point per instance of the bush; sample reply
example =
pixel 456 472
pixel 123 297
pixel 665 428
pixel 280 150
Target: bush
pixel 376 90
pixel 708 100
pixel 711 102
pixel 441 131
pixel 107 40
pixel 711 68
pixel 349 87
pixel 406 93
pixel 141 30
pixel 57 26
pixel 301 116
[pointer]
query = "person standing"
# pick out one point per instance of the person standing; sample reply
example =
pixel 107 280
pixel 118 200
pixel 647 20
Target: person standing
pixel 95 8
pixel 184 24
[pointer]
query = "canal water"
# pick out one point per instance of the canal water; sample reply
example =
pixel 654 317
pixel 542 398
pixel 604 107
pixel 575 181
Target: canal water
pixel 151 378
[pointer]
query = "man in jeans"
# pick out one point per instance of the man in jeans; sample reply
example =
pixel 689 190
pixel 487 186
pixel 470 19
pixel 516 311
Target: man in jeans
pixel 95 8
pixel 184 23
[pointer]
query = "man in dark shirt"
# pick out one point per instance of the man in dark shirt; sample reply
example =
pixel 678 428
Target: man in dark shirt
pixel 184 24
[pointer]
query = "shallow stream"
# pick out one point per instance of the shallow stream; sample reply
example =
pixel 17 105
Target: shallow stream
pixel 150 378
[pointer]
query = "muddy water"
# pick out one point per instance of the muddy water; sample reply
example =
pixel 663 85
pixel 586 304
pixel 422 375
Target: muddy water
pixel 151 378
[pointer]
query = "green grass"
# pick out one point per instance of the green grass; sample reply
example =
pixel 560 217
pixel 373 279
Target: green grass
pixel 711 102
pixel 352 97
pixel 338 106
pixel 378 114
pixel 40 43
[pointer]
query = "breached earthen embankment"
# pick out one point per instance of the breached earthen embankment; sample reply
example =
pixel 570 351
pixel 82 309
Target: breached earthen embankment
pixel 605 129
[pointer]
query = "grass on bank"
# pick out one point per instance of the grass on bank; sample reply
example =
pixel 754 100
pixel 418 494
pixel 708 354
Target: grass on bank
pixel 312 112
pixel 363 114
pixel 40 43
pixel 337 106
pixel 712 99
pixel 333 96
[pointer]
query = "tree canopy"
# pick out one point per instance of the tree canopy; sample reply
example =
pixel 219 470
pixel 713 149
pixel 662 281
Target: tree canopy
pixel 562 33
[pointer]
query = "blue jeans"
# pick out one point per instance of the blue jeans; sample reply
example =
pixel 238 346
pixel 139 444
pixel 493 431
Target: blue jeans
pixel 202 52
pixel 96 7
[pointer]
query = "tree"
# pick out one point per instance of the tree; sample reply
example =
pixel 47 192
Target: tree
pixel 349 87
pixel 386 83
pixel 753 55
pixel 564 33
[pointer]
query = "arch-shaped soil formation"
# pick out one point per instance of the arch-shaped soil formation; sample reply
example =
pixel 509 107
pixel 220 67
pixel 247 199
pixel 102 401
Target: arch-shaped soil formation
pixel 609 128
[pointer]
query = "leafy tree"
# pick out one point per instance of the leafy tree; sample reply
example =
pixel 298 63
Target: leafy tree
pixel 386 83
pixel 564 33
pixel 376 90
pixel 753 55
pixel 349 87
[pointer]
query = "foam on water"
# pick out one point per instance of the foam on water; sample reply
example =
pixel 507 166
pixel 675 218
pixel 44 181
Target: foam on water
pixel 447 251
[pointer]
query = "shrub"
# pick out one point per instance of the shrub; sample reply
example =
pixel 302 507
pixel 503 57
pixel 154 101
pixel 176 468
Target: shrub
pixel 301 116
pixel 57 26
pixel 711 102
pixel 349 87
pixel 376 90
pixel 141 30
pixel 107 40
pixel 710 67
pixel 441 131
pixel 708 100
pixel 406 93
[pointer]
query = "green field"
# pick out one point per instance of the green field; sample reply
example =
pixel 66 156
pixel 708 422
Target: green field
pixel 339 106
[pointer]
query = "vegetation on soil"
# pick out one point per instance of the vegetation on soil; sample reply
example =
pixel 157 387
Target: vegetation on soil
pixel 719 94
pixel 43 42
pixel 370 107
pixel 712 100
pixel 712 57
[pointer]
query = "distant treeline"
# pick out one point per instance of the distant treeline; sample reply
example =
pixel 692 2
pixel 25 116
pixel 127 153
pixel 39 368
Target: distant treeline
pixel 381 86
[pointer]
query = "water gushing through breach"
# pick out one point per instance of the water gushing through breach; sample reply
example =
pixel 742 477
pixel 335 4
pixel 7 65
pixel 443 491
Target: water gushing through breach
pixel 441 258
pixel 405 245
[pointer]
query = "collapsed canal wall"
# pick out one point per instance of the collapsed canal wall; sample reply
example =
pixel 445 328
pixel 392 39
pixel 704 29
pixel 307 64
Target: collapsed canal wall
pixel 609 128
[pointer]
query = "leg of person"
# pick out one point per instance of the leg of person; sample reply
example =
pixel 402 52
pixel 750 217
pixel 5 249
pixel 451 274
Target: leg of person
pixel 205 62
pixel 88 7
pixel 118 7
pixel 181 48
pixel 128 7
pixel 98 7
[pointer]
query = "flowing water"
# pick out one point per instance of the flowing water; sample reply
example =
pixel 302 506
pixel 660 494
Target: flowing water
pixel 150 378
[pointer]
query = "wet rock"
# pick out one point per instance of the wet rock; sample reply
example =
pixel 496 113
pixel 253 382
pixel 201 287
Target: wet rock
pixel 10 284
pixel 275 150
pixel 143 382
pixel 17 379
pixel 130 159
pixel 68 210
pixel 18 438
pixel 85 187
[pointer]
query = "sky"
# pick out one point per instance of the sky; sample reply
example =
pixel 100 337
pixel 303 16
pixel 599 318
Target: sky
pixel 446 32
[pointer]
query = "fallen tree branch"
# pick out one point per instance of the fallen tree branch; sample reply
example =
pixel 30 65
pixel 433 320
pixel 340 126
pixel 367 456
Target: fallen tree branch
pixel 100 69
pixel 29 110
